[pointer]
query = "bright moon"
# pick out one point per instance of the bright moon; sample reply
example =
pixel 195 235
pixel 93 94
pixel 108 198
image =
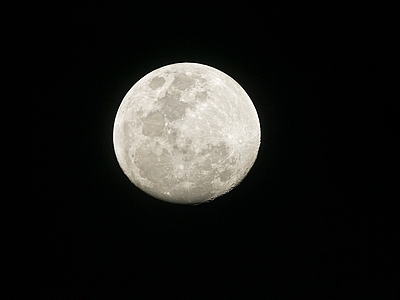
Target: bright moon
pixel 186 133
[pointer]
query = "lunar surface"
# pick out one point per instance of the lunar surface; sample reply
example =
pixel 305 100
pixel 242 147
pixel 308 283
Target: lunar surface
pixel 186 133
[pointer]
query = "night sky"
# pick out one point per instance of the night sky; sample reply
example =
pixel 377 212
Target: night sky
pixel 313 219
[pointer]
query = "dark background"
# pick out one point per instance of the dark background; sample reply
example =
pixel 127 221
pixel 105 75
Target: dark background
pixel 314 218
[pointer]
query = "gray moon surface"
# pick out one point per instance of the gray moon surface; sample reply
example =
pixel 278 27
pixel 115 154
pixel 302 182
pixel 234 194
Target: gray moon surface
pixel 186 133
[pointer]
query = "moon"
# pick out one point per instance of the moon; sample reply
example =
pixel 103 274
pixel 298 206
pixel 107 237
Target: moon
pixel 186 133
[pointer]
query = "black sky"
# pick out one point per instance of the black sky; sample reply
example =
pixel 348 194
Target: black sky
pixel 314 217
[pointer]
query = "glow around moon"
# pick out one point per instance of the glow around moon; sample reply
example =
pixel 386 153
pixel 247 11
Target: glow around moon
pixel 186 133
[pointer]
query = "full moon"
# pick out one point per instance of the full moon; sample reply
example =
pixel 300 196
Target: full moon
pixel 186 133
